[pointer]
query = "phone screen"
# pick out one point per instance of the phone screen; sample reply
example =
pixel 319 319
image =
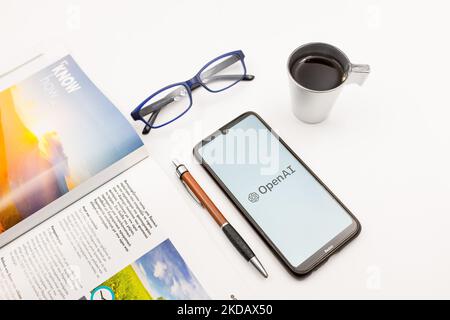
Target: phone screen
pixel 283 198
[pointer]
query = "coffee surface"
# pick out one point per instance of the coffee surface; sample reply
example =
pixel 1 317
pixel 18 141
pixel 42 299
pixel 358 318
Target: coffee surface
pixel 318 73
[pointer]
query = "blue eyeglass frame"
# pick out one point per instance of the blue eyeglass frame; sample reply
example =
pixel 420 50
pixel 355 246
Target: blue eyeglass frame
pixel 190 85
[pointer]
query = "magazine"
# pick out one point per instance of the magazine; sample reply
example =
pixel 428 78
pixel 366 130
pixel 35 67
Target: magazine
pixel 60 138
pixel 84 212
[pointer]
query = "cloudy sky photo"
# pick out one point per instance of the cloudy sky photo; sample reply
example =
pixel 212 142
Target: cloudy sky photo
pixel 165 274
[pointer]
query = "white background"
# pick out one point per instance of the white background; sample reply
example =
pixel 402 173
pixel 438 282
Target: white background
pixel 384 150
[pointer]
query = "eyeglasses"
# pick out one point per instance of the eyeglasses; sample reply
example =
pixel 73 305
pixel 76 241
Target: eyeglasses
pixel 171 102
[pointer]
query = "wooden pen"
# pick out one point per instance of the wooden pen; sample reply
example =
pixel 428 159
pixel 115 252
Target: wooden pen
pixel 202 198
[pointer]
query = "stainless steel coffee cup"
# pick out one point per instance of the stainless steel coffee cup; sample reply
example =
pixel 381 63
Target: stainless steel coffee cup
pixel 314 106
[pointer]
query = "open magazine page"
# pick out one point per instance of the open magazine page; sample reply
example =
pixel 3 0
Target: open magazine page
pixel 132 238
pixel 60 138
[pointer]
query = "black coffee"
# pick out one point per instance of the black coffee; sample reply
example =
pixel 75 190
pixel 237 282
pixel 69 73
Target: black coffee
pixel 318 73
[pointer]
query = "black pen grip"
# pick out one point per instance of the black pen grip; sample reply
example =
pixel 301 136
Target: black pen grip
pixel 238 242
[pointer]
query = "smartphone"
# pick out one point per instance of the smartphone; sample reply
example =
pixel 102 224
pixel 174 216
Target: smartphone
pixel 300 219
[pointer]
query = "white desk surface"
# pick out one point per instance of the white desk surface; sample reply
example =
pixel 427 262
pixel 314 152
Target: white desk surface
pixel 384 150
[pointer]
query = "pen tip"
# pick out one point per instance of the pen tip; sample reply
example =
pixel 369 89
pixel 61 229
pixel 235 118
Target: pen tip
pixel 258 265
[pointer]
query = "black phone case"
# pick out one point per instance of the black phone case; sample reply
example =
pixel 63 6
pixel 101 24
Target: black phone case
pixel 293 269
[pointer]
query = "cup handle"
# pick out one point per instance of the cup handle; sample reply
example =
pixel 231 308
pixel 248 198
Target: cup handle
pixel 358 73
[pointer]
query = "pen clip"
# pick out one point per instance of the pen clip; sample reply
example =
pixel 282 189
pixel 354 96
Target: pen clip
pixel 191 193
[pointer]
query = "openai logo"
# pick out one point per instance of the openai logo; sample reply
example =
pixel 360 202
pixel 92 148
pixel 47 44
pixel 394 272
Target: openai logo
pixel 253 197
pixel 271 185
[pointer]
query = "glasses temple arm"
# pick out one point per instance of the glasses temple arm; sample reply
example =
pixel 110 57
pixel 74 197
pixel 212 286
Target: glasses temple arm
pixel 229 77
pixel 155 106
pixel 220 66
pixel 150 122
